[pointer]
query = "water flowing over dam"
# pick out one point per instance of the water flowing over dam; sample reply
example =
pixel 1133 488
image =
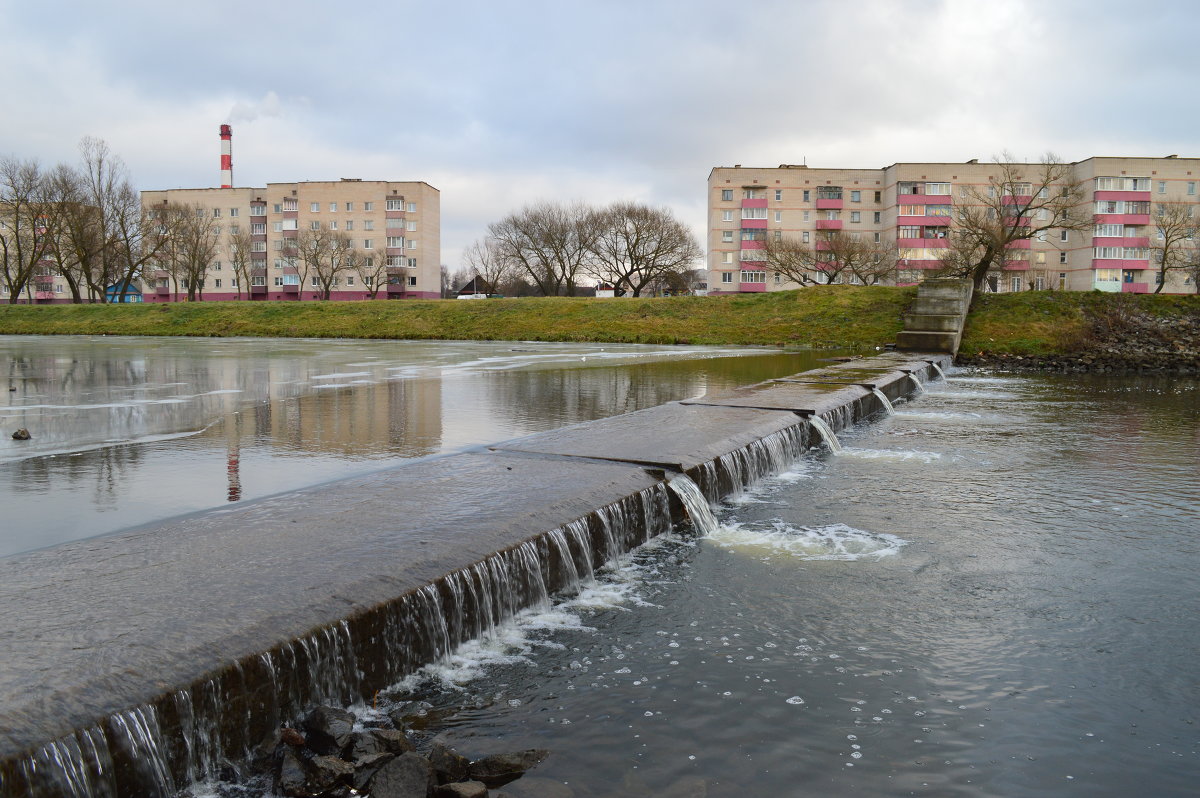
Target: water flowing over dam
pixel 136 663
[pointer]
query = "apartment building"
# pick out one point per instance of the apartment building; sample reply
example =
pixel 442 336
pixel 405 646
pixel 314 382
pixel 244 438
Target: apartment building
pixel 394 226
pixel 911 206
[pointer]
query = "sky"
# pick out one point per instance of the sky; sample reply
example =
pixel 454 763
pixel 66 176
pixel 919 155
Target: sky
pixel 502 104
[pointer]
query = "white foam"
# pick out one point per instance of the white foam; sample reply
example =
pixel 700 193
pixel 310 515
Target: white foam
pixel 341 376
pixel 891 454
pixel 831 542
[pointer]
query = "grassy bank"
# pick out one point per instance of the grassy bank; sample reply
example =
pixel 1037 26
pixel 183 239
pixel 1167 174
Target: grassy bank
pixel 832 316
pixel 1053 323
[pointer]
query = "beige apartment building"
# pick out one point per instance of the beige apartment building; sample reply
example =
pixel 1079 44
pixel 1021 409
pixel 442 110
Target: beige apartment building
pixel 911 206
pixel 394 226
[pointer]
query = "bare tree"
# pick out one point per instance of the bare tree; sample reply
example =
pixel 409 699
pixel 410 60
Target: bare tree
pixel 1174 245
pixel 792 258
pixel 189 243
pixel 240 259
pixel 484 260
pixel 837 255
pixel 371 269
pixel 324 255
pixel 637 245
pixel 1020 202
pixel 23 232
pixel 550 243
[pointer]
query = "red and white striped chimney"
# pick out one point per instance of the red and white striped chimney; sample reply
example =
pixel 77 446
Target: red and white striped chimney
pixel 226 156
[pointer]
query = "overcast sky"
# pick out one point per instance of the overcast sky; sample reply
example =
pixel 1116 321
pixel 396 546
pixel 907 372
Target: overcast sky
pixel 499 104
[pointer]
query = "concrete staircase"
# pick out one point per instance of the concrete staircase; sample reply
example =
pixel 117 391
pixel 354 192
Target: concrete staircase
pixel 936 321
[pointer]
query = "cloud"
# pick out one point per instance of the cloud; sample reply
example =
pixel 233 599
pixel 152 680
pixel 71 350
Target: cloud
pixel 269 105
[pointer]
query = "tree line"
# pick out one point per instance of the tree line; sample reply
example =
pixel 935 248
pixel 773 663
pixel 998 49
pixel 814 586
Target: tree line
pixel 550 249
pixel 82 222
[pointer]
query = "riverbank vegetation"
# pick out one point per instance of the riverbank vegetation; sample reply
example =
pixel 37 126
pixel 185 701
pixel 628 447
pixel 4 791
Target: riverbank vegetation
pixel 825 317
pixel 1026 324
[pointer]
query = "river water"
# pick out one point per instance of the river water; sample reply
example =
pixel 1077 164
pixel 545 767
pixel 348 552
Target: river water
pixel 993 592
pixel 127 431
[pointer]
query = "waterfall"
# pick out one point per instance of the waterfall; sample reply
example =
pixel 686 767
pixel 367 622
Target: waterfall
pixel 698 511
pixel 938 369
pixel 916 381
pixel 884 400
pixel 826 433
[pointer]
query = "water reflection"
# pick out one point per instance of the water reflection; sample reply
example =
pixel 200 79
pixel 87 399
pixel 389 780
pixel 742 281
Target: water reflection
pixel 132 430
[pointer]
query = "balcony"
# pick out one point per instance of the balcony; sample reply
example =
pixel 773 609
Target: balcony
pixel 829 204
pixel 393 214
pixel 923 221
pixel 752 288
pixel 395 289
pixel 1120 263
pixel 1128 196
pixel 1135 288
pixel 1123 218
pixel 162 290
pixel 1128 241
pixel 754 224
pixel 1020 243
pixel 291 288
pixel 756 203
pixel 922 243
pixel 829 224
pixel 1016 265
pixel 43 295
pixel 258 289
pixel 924 199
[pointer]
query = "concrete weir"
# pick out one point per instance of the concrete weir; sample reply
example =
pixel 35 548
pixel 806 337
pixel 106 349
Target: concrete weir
pixel 133 663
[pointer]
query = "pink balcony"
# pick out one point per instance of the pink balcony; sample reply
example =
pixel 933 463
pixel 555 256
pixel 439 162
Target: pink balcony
pixel 395 214
pixel 923 221
pixel 43 295
pixel 291 289
pixel 922 243
pixel 1118 263
pixel 1129 241
pixel 754 203
pixel 1136 196
pixel 829 204
pixel 162 290
pixel 395 288
pixel 1123 218
pixel 822 246
pixel 1024 199
pixel 829 224
pixel 912 263
pixel 1135 288
pixel 1016 265
pixel 754 245
pixel 924 199
pixel 754 224
pixel 392 251
pixel 1021 243
pixel 752 287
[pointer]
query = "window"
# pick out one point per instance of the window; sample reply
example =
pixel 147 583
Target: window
pixel 368 243
pixel 833 216
pixel 258 210
pixel 216 267
pixel 778 235
pixel 804 237
pixel 754 277
pixel 412 263
pixel 412 208
pixel 1062 257
pixel 806 215
pixel 332 224
pixel 806 195
pixel 411 226
pixel 394 260
pixel 1110 230
pixel 314 225
pixel 1162 186
pixel 314 207
pixel 855 216
pixel 856 196
pixel 1014 284
pixel 1062 281
pixel 939 210
pixel 877 238
pixel 878 196
pixel 1191 188
pixel 909 231
pixel 1063 235
pixel 778 278
pixel 1108 275
pixel 412 243
pixel 727 257
pixel 368 206
pixel 829 192
pixel 912 210
pixel 217 283
pixel 878 217
pixel 233 282
pixel 291 205
pixel 1123 184
pixel 278 280
pixel 233 212
pixel 394 205
pixel 754 213
pixel 727 277
pixel 754 193
pixel 258 246
pixel 938 188
pixel 779 195
pixel 412 281
pixel 1040 257
pixel 333 207
pixel 726 194
pixel 349 281
pixel 258 228
pixel 369 224
pixel 314 282
pixel 216 213
pixel 277 208
pixel 779 216
pixel 349 207
pixel 726 236
pixel 349 224
pixel 726 216
pixel 395 241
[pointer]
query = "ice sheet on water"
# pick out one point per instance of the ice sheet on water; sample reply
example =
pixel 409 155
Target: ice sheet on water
pixel 830 542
